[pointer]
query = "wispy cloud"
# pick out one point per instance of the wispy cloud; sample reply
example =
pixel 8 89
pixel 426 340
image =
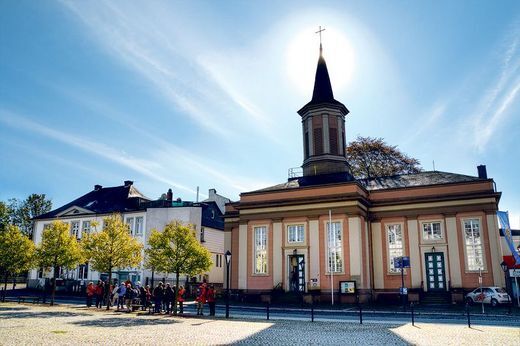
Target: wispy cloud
pixel 166 158
pixel 150 46
pixel 142 166
pixel 496 101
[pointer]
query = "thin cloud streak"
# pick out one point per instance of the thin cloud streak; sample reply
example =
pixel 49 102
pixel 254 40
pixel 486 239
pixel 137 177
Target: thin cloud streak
pixel 99 149
pixel 146 49
pixel 498 99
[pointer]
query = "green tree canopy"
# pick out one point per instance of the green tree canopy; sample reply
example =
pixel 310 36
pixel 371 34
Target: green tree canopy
pixel 58 249
pixel 4 216
pixel 177 250
pixel 21 213
pixel 16 252
pixel 372 157
pixel 113 247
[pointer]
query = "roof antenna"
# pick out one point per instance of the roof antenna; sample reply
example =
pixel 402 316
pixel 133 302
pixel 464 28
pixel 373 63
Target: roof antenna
pixel 434 165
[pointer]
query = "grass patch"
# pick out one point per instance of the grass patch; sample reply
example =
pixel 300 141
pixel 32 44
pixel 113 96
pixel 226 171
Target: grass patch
pixel 59 331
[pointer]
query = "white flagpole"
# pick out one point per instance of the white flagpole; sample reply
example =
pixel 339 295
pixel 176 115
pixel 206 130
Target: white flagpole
pixel 333 258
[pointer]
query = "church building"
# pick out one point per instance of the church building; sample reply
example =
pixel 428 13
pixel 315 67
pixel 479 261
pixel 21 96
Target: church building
pixel 325 230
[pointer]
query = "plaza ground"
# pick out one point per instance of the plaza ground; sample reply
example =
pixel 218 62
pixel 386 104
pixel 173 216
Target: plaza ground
pixel 60 325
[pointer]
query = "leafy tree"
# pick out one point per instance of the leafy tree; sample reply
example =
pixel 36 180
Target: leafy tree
pixel 177 250
pixel 58 249
pixel 372 157
pixel 4 216
pixel 21 213
pixel 16 252
pixel 112 247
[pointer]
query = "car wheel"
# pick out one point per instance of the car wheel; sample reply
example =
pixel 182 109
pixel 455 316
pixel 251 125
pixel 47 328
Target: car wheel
pixel 469 301
pixel 494 302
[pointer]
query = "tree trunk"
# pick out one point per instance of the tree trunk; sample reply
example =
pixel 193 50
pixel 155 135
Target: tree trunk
pixel 175 293
pixel 54 276
pixel 6 279
pixel 109 290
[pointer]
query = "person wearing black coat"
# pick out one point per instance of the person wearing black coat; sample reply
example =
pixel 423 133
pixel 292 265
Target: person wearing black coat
pixel 158 296
pixel 168 298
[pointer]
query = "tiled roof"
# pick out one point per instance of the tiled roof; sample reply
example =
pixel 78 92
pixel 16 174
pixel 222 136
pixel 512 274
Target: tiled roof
pixel 381 183
pixel 104 200
pixel 417 179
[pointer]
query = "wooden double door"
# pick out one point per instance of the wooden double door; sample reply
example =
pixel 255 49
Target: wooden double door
pixel 435 271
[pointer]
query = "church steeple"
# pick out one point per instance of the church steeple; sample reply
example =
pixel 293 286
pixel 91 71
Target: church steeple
pixel 322 87
pixel 323 122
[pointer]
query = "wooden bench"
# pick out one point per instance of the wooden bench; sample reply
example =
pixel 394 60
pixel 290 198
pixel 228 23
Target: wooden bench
pixel 35 299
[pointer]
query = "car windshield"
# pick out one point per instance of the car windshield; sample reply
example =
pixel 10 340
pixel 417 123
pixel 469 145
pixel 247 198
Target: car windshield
pixel 500 290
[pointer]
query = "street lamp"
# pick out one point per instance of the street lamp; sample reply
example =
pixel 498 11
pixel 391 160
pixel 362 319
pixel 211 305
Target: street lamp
pixel 228 262
pixel 505 268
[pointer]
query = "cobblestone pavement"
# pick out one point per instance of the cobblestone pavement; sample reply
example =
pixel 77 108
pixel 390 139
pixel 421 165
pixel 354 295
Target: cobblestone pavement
pixel 22 324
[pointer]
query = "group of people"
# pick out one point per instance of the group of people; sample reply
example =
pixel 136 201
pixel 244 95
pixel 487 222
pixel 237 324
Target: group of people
pixel 205 294
pixel 164 298
pixel 127 296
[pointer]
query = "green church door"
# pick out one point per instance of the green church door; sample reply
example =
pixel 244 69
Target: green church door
pixel 435 277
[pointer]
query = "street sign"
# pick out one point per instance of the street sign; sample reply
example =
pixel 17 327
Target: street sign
pixel 402 262
pixel 514 273
pixel 403 290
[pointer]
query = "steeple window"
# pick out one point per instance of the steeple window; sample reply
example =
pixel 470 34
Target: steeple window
pixel 333 135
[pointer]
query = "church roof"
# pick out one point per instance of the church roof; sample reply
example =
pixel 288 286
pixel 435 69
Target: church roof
pixel 415 180
pixel 102 200
pixel 322 92
pixel 380 183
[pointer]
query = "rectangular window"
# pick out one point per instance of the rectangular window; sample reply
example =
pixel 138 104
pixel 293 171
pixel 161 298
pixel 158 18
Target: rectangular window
pixel 318 141
pixel 260 243
pixel 432 231
pixel 74 228
pixel 295 234
pixel 83 271
pixel 139 225
pixel 395 246
pixel 473 243
pixel 130 223
pixel 334 248
pixel 202 231
pixel 85 229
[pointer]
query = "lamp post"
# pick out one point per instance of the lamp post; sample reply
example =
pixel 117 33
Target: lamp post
pixel 506 274
pixel 228 262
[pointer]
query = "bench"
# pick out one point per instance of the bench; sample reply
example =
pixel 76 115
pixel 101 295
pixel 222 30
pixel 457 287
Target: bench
pixel 35 299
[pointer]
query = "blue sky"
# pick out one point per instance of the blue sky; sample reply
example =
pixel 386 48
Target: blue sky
pixel 178 94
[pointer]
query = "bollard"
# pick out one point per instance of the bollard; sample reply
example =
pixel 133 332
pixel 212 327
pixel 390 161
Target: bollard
pixel 467 313
pixel 312 311
pixel 413 317
pixel 267 310
pixel 360 314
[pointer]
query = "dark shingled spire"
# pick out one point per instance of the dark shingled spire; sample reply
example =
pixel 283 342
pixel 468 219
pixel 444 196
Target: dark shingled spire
pixel 322 87
pixel 322 92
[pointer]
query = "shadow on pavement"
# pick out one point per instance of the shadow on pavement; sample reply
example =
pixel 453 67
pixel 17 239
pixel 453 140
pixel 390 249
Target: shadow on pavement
pixel 111 322
pixel 38 314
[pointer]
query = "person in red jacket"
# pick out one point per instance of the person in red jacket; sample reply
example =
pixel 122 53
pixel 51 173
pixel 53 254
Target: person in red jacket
pixel 210 295
pixel 91 291
pixel 180 298
pixel 201 299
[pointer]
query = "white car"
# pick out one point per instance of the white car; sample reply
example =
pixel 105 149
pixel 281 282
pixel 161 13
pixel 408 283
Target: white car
pixel 488 295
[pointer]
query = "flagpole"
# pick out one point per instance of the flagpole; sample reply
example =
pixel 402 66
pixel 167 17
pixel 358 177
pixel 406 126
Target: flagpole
pixel 333 259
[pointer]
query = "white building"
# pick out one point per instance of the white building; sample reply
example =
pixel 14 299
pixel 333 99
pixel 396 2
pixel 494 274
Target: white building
pixel 142 215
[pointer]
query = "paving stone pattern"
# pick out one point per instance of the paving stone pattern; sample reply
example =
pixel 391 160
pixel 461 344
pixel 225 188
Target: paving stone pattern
pixel 23 324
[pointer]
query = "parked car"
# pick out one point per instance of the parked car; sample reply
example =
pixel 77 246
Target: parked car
pixel 488 295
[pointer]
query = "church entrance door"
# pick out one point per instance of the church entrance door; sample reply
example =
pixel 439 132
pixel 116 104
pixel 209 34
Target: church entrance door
pixel 435 272
pixel 296 273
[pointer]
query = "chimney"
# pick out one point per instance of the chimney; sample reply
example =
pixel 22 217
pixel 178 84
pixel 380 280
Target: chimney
pixel 482 172
pixel 97 187
pixel 169 195
pixel 128 183
pixel 212 193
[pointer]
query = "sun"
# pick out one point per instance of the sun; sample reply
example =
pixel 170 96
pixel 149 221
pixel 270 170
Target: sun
pixel 302 56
